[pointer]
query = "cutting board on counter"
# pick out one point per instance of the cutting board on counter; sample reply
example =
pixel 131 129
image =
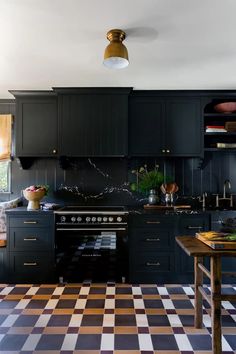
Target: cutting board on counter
pixel 166 207
pixel 224 245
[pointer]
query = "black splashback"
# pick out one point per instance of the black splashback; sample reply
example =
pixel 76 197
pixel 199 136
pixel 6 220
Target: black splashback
pixel 104 181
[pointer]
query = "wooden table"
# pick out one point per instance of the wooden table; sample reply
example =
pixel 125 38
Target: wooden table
pixel 199 250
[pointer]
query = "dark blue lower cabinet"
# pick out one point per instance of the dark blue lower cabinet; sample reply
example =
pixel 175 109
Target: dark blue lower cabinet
pixel 154 255
pixel 3 265
pixel 30 247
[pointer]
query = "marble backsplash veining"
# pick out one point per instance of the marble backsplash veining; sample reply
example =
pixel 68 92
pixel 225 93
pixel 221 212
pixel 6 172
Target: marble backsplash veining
pixel 105 180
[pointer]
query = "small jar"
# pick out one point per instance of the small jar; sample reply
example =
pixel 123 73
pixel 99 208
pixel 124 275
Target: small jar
pixel 152 198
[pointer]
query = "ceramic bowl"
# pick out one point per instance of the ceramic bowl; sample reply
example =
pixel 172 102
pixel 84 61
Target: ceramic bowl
pixel 225 107
pixel 33 198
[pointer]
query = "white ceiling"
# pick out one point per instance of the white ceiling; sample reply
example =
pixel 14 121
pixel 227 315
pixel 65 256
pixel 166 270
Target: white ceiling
pixel 172 44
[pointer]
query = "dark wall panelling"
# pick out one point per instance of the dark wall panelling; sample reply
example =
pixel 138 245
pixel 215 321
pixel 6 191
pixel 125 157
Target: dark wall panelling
pixel 109 176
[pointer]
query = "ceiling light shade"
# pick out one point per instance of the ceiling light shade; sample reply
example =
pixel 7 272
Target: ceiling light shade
pixel 116 54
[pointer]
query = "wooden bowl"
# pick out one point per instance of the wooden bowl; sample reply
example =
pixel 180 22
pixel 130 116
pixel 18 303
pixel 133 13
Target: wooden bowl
pixel 225 107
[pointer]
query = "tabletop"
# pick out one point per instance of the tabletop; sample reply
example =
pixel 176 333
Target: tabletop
pixel 194 247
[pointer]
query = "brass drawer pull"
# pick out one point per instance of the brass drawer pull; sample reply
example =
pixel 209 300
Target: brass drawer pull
pixel 30 222
pixel 153 222
pixel 151 264
pixel 30 264
pixel 153 239
pixel 30 239
pixel 194 227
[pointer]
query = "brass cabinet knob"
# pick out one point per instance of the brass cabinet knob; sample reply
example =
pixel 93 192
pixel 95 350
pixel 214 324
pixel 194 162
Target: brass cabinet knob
pixel 54 151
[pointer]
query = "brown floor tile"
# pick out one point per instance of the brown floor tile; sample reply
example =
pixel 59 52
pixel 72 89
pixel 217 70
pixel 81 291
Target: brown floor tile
pixel 96 296
pixel 69 297
pixel 151 297
pixel 192 330
pixel 86 352
pixel 125 330
pixel 185 311
pixel 14 297
pixel 126 351
pixel 124 296
pixel 155 311
pixel 229 330
pixel 90 330
pixel 20 330
pixel 63 311
pixel 93 311
pixel 55 330
pixel 160 330
pixel 124 311
pixel 168 352
pixel 32 311
pixel 41 297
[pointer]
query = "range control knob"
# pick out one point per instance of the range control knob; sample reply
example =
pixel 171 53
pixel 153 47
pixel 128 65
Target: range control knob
pixel 79 219
pixel 105 219
pixel 94 219
pixel 88 219
pixel 63 218
pixel 119 219
pixel 73 219
pixel 111 218
pixel 99 219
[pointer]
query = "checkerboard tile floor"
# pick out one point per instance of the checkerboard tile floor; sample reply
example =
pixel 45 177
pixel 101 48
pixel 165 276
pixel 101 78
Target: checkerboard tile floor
pixel 108 318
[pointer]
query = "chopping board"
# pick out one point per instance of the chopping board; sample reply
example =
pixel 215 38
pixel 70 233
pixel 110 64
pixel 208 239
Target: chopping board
pixel 166 207
pixel 224 245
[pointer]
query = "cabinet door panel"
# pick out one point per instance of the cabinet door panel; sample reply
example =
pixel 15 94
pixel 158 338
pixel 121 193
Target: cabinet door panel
pixel 184 131
pixel 30 239
pixel 3 267
pixel 36 127
pixel 30 267
pixel 31 221
pixel 189 225
pixel 94 125
pixel 152 239
pixel 146 126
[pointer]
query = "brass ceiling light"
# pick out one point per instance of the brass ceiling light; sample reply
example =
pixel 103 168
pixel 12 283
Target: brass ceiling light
pixel 116 54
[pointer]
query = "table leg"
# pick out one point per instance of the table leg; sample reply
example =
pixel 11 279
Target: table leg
pixel 198 279
pixel 216 304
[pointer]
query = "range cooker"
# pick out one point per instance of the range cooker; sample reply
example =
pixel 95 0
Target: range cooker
pixel 91 243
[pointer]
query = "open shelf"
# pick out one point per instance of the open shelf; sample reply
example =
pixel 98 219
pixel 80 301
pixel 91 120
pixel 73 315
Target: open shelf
pixel 213 118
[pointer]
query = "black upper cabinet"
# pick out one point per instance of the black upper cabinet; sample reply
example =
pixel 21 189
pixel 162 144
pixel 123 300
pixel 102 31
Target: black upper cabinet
pixel 36 123
pixel 165 126
pixel 93 121
pixel 183 128
pixel 146 126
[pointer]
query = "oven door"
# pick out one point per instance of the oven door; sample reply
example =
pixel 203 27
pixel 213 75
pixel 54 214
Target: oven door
pixel 92 254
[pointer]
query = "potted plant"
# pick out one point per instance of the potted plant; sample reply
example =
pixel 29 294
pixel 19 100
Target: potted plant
pixel 148 182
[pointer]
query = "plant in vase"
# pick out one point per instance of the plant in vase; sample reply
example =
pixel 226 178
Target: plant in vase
pixel 148 182
pixel 34 194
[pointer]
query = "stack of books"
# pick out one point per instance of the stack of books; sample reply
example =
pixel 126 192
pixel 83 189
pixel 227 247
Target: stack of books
pixel 215 129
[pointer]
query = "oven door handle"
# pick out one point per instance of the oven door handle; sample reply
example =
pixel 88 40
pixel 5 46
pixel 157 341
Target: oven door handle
pixel 92 229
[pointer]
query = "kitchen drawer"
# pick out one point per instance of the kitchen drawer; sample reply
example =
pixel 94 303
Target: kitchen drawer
pixel 31 239
pixel 189 225
pixel 153 220
pixel 152 267
pixel 31 267
pixel 153 262
pixel 31 221
pixel 142 240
